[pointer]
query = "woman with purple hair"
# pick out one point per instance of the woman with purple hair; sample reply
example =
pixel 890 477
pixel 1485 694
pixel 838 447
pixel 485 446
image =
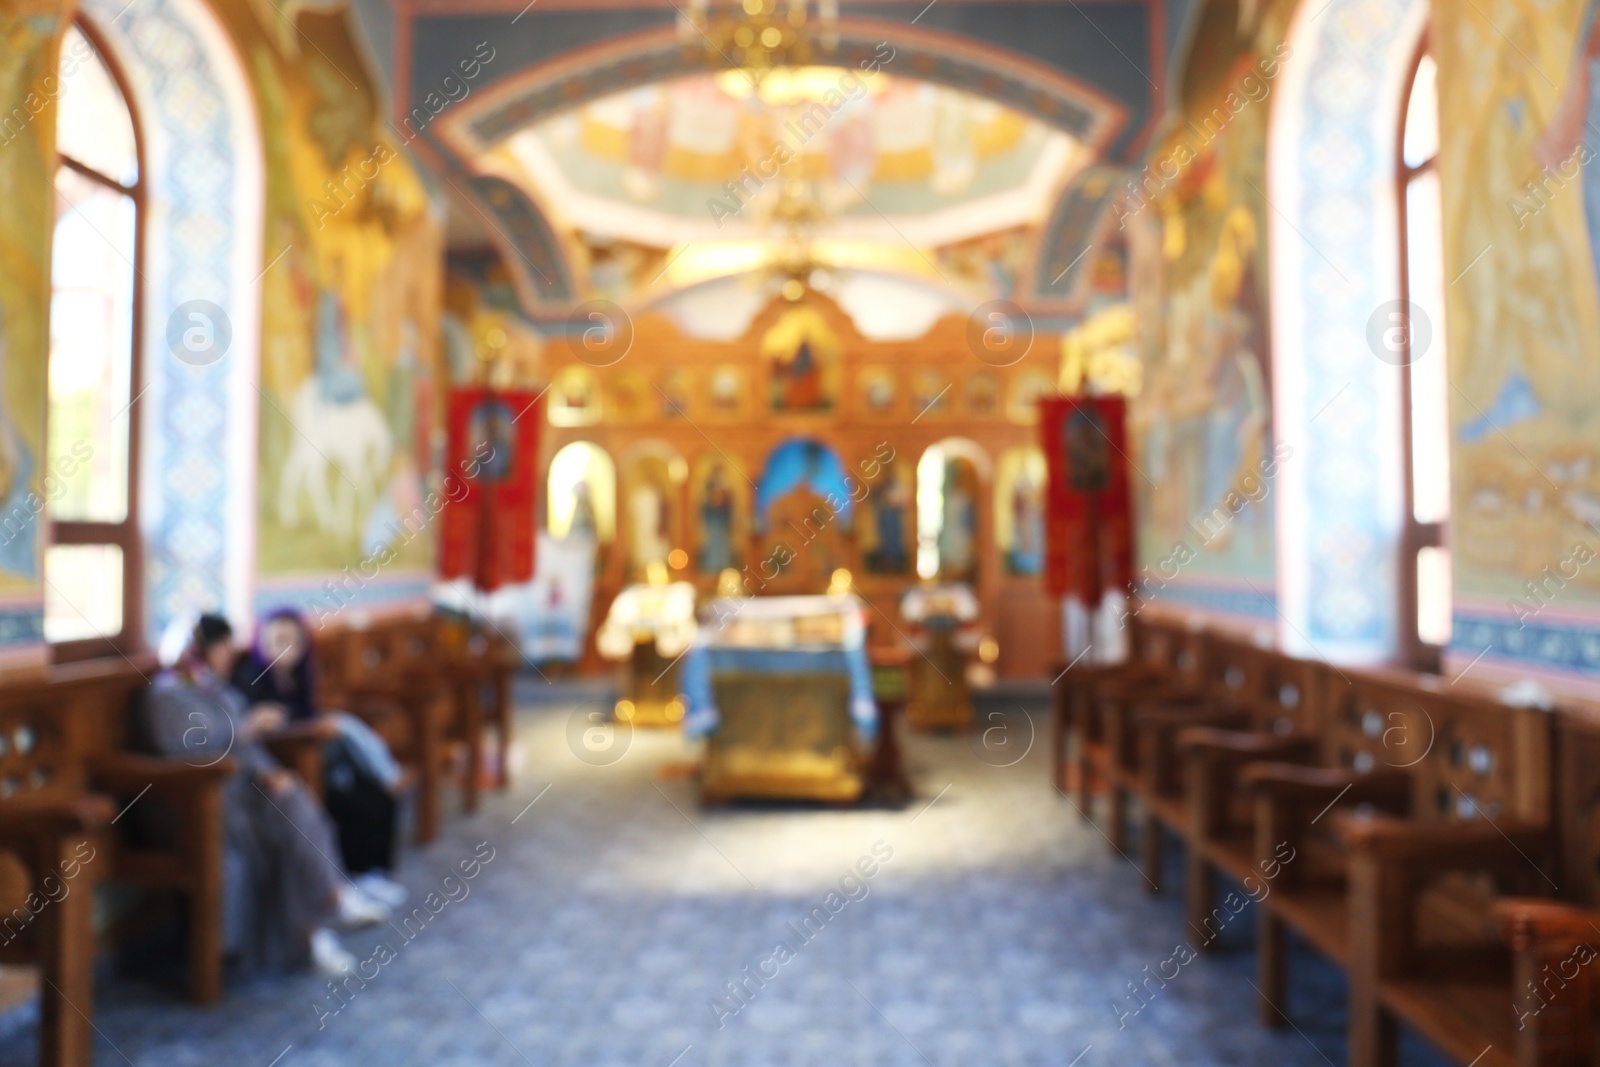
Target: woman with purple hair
pixel 362 783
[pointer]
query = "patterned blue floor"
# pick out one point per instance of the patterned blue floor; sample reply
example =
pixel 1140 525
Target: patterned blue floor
pixel 1001 931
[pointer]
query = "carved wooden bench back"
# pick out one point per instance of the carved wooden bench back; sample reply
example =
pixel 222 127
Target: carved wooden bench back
pixel 1468 756
pixel 1281 691
pixel 1170 645
pixel 1578 806
pixel 37 756
pixel 49 726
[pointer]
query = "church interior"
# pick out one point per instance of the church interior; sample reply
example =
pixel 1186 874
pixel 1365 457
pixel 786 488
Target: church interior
pixel 1020 532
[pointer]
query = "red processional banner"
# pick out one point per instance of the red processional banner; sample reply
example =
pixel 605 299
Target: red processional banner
pixel 1089 521
pixel 490 487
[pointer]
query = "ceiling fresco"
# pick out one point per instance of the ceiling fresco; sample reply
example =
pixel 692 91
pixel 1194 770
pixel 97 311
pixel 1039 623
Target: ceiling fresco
pixel 706 157
pixel 976 141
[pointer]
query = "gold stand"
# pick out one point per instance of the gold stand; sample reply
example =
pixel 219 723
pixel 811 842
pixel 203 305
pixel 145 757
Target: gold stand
pixel 650 690
pixel 939 696
pixel 782 737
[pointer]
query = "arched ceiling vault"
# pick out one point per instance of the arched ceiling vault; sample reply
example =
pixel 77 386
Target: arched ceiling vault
pixel 1089 70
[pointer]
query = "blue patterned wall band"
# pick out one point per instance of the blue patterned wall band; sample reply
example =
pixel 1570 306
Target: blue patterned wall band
pixel 327 597
pixel 1244 603
pixel 1536 643
pixel 21 626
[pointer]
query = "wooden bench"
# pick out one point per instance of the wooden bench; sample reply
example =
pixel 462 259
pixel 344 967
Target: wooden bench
pixel 64 785
pixel 1159 654
pixel 364 672
pixel 1280 697
pixel 1431 804
pixel 1247 691
pixel 1530 1000
pixel 421 689
pixel 482 663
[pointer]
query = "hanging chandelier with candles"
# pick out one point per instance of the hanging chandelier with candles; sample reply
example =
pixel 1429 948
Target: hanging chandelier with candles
pixel 759 35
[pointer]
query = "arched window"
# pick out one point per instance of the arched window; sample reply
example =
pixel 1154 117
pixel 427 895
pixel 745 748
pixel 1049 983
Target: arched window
pixel 1425 594
pixel 92 564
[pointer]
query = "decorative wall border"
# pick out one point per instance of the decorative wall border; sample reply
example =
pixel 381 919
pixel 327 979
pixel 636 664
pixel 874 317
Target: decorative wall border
pixel 203 234
pixel 1334 254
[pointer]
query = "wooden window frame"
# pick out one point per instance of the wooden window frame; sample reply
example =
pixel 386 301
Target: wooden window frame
pixel 1415 536
pixel 123 534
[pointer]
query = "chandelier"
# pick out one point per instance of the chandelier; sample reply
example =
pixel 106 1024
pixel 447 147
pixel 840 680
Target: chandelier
pixel 758 34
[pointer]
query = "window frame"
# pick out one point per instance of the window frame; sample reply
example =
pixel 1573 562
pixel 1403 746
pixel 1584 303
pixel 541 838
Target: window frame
pixel 1414 536
pixel 125 533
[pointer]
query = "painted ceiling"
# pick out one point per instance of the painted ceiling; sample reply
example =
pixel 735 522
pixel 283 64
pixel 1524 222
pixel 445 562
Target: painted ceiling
pixel 715 156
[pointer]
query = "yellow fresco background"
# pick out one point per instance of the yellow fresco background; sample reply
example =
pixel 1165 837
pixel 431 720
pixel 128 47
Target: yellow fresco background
pixel 1528 488
pixel 30 43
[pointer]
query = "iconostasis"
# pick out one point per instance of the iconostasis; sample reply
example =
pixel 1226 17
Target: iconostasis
pixel 801 447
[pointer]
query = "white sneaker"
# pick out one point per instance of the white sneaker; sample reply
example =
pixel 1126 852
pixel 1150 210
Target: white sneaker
pixel 382 888
pixel 358 909
pixel 329 958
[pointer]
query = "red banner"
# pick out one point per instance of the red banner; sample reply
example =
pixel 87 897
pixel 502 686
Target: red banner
pixel 491 487
pixel 1089 523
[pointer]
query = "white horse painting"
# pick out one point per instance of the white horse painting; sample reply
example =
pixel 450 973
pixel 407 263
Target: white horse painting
pixel 338 458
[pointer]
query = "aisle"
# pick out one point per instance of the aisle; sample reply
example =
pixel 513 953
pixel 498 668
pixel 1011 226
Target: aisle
pixel 995 929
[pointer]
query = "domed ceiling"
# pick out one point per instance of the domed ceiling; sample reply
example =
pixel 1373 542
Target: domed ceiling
pixel 721 157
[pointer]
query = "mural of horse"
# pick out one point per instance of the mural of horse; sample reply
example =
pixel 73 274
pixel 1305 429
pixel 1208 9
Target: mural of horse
pixel 348 439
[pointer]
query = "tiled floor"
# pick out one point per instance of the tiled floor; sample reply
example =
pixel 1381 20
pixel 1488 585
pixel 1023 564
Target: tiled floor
pixel 1001 930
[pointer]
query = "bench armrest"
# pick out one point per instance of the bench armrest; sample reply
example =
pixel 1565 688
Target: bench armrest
pixel 1211 742
pixel 1198 713
pixel 1476 845
pixel 120 772
pixel 1529 923
pixel 1293 783
pixel 34 821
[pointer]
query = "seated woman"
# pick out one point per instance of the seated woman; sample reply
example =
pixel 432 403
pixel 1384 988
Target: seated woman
pixel 361 781
pixel 284 886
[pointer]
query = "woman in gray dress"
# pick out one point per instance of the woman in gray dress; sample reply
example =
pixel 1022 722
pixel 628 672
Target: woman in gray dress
pixel 284 887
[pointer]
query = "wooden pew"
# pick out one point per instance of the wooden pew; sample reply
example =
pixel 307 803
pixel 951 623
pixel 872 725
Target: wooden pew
pixel 482 664
pixel 1281 697
pixel 1182 696
pixel 1532 1000
pixel 1432 802
pixel 1258 701
pixel 404 676
pixel 65 783
pixel 364 672
pixel 1158 653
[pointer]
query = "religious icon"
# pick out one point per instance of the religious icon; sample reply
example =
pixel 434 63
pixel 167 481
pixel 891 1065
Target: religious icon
pixel 958 528
pixel 628 396
pixel 1019 510
pixel 490 433
pixel 803 356
pixel 930 393
pixel 673 392
pixel 982 394
pixel 877 390
pixel 574 398
pixel 1088 451
pixel 583 521
pixel 716 522
pixel 726 391
pixel 1022 406
pixel 648 521
pixel 887 510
